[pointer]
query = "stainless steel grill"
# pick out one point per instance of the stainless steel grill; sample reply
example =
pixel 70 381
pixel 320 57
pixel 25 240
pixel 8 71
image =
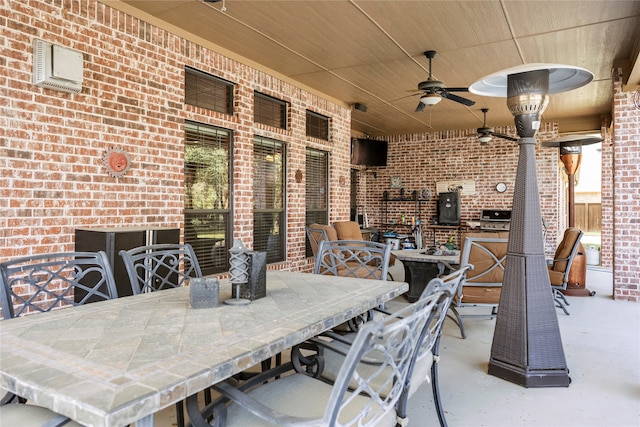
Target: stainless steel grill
pixel 495 220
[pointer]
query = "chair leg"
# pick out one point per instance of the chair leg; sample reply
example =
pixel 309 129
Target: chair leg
pixel 180 414
pixel 458 321
pixel 561 301
pixel 437 401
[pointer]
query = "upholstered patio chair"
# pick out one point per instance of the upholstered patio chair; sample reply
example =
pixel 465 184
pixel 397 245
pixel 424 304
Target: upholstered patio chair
pixel 319 232
pixel 561 265
pixel 41 283
pixel 329 354
pixel 297 399
pixel 487 252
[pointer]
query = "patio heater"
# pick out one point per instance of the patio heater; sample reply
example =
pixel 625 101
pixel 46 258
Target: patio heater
pixel 527 347
pixel 571 156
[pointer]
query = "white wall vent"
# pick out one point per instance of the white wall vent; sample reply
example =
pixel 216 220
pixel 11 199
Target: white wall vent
pixel 57 67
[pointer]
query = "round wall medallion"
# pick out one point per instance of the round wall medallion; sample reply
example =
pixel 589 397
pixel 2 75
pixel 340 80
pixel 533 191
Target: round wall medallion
pixel 501 187
pixel 116 162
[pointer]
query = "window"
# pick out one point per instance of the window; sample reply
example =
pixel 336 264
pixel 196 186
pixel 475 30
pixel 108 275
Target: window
pixel 317 125
pixel 269 111
pixel 207 225
pixel 316 194
pixel 269 197
pixel 207 91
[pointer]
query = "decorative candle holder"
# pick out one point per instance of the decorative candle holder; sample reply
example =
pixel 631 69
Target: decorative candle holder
pixel 204 292
pixel 239 270
pixel 256 286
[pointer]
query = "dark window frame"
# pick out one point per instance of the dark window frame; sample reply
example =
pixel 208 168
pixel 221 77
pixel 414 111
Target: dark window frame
pixel 270 111
pixel 204 90
pixel 270 198
pixel 316 190
pixel 208 224
pixel 317 125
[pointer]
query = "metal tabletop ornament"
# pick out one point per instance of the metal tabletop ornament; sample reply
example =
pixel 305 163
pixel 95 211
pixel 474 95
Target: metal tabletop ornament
pixel 239 270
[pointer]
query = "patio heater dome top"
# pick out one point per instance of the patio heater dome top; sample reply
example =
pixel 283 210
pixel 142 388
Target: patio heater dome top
pixel 562 78
pixel 575 139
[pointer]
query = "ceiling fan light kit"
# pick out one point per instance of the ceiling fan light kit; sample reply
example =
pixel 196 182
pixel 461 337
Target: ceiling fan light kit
pixel 430 100
pixel 432 91
pixel 484 139
pixel 527 347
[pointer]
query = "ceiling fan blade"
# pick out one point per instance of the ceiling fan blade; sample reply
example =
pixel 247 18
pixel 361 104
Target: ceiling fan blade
pixel 420 107
pixel 406 96
pixel 457 98
pixel 507 137
pixel 457 89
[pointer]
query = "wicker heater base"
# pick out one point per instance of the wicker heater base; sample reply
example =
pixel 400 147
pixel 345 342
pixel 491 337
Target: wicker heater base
pixel 527 348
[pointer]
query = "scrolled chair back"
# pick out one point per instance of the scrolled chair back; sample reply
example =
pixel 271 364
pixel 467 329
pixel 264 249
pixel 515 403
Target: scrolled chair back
pixel 41 283
pixel 162 266
pixel 353 258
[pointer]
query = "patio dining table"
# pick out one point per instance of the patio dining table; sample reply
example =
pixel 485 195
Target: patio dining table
pixel 112 363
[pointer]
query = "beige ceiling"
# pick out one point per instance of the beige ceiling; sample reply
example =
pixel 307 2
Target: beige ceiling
pixel 372 51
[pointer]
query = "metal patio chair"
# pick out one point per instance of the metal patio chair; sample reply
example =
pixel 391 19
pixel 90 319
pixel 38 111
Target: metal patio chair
pixel 41 283
pixel 487 252
pixel 326 359
pixel 162 266
pixel 298 399
pixel 560 266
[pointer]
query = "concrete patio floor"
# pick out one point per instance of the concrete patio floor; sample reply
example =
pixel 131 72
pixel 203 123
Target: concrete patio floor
pixel 601 341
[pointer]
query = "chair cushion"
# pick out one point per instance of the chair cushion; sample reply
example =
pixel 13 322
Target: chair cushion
pixel 296 395
pixel 481 294
pixel 482 262
pixel 24 415
pixel 556 277
pixel 564 249
pixel 331 232
pixel 348 230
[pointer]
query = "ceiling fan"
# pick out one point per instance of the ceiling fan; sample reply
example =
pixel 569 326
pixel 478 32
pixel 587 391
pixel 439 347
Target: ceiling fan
pixel 485 133
pixel 432 90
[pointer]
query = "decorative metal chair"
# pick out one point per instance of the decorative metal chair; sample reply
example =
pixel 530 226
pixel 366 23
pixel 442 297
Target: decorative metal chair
pixel 41 283
pixel 162 266
pixel 327 358
pixel 157 267
pixel 487 252
pixel 353 258
pixel 301 400
pixel 561 265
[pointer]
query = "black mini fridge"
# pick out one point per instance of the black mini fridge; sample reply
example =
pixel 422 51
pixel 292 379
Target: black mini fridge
pixel 114 239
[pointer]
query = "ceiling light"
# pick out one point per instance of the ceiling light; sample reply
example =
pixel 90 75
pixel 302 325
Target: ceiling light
pixel 485 138
pixel 431 99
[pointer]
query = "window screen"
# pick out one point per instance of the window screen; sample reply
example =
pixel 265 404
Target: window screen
pixel 269 229
pixel 317 125
pixel 207 91
pixel 269 111
pixel 207 225
pixel 316 190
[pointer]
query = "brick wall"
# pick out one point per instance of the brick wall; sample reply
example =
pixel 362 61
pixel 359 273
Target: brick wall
pixel 52 142
pixel 421 160
pixel 626 192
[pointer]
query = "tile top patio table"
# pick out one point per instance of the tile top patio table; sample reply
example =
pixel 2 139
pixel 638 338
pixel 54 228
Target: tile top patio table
pixel 112 363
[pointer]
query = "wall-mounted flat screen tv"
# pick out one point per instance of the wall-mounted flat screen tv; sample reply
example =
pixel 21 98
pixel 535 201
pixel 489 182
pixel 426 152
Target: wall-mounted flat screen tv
pixel 368 152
